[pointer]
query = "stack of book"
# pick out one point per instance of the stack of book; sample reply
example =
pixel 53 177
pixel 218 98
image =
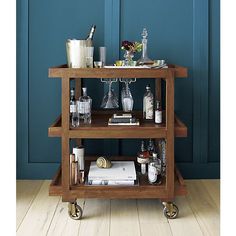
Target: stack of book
pixel 121 173
pixel 123 119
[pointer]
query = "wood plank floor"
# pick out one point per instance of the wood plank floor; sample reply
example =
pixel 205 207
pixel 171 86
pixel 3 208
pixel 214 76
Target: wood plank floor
pixel 38 214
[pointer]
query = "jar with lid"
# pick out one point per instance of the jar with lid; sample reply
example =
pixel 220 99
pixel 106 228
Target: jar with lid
pixel 154 170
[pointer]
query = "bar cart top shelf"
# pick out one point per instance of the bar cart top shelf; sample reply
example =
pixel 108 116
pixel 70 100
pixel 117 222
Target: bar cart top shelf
pixel 63 71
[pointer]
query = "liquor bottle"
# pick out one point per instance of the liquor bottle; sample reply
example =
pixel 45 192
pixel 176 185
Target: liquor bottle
pixel 144 58
pixel 162 153
pixel 158 114
pixel 154 170
pixel 72 101
pixel 89 39
pixel 148 104
pixel 151 147
pixel 74 116
pixel 143 158
pixel 84 107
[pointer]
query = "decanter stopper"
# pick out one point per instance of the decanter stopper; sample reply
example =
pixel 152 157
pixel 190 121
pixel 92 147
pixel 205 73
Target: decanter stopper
pixel 144 58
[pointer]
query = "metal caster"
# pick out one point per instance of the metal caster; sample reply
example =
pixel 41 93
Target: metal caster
pixel 170 210
pixel 75 211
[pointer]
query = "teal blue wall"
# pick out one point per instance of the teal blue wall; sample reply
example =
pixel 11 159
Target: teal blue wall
pixel 184 32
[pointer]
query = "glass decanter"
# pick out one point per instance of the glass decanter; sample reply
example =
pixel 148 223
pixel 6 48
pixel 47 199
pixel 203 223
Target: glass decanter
pixel 144 58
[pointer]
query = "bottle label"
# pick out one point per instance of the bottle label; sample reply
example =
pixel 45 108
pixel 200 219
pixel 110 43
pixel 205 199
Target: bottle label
pixel 84 107
pixel 158 117
pixel 149 108
pixel 72 108
pixel 152 174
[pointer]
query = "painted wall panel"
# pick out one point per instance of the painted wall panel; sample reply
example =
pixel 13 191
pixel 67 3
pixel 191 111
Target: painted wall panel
pixel 170 37
pixel 51 23
pixel 182 32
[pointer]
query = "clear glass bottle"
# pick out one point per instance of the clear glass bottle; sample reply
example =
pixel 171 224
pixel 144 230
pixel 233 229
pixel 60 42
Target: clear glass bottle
pixel 89 39
pixel 144 58
pixel 148 104
pixel 158 113
pixel 162 154
pixel 151 147
pixel 154 170
pixel 84 107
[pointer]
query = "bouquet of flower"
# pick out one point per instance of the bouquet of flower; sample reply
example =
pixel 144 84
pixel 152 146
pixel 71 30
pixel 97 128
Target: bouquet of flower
pixel 131 46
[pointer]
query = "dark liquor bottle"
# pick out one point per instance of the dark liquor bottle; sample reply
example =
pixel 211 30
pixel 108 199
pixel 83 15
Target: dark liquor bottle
pixel 74 116
pixel 89 38
pixel 72 101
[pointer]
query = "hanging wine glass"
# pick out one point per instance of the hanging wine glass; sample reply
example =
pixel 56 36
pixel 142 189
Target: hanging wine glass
pixel 126 96
pixel 110 100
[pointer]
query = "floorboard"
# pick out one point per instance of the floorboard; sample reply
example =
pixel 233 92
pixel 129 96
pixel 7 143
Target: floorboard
pixel 26 191
pixel 39 214
pixel 124 218
pixel 151 218
pixel 62 224
pixel 204 208
pixel 96 218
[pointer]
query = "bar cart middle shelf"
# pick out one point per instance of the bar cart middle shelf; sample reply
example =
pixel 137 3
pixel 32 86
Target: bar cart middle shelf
pixel 173 184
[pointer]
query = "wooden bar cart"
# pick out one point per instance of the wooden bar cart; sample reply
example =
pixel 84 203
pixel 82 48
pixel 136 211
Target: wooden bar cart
pixel 173 184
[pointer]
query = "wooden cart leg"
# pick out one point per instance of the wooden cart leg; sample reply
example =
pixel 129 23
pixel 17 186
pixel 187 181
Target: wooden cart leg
pixel 78 85
pixel 65 139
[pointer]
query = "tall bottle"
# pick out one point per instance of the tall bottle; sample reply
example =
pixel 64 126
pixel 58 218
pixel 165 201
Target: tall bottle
pixel 151 147
pixel 143 158
pixel 148 104
pixel 74 116
pixel 72 101
pixel 89 39
pixel 84 107
pixel 158 113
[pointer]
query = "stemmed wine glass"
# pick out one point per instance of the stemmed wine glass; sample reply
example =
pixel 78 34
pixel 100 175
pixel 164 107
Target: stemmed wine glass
pixel 110 100
pixel 126 96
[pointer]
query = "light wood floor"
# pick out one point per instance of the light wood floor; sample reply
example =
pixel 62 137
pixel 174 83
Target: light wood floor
pixel 38 214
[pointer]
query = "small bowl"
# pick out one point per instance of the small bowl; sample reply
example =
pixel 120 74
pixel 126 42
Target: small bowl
pixel 159 62
pixel 119 63
pixel 97 64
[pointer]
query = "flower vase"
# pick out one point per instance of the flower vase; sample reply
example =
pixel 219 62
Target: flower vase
pixel 128 58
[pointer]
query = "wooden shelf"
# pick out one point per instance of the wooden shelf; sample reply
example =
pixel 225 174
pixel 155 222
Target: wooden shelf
pixel 96 73
pixel 99 128
pixel 143 190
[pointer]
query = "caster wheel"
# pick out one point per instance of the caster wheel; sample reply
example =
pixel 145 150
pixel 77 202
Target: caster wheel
pixel 75 211
pixel 170 211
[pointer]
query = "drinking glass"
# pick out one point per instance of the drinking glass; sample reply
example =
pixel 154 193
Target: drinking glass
pixel 102 55
pixel 89 57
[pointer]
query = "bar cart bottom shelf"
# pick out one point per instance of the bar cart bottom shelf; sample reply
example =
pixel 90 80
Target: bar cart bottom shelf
pixel 142 190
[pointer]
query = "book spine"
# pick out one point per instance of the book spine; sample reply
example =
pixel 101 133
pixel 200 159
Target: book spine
pixel 123 120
